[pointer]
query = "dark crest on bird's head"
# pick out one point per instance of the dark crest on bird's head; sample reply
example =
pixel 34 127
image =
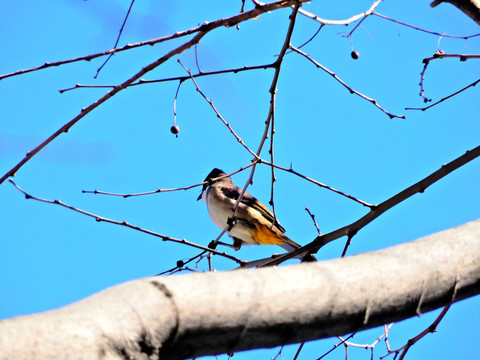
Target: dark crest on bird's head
pixel 215 173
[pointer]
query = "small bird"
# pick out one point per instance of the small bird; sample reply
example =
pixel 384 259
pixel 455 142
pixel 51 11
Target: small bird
pixel 253 223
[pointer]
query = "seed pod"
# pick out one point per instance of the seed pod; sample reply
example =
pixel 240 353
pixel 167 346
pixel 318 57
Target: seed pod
pixel 175 129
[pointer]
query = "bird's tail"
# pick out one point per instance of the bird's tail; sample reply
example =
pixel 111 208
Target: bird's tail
pixel 291 245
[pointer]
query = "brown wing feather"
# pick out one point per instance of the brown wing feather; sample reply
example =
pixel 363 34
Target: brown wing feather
pixel 249 200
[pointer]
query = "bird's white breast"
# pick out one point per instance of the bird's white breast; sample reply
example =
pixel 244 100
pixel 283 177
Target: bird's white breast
pixel 220 209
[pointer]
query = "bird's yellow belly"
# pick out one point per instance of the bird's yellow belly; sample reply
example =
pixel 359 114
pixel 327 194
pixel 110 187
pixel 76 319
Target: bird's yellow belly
pixel 250 235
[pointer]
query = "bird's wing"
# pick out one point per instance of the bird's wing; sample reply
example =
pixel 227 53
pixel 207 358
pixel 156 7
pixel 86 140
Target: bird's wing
pixel 250 201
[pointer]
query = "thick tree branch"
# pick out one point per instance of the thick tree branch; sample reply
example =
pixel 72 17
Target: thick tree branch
pixel 471 8
pixel 179 317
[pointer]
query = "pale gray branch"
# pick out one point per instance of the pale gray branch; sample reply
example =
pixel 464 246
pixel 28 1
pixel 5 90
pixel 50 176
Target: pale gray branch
pixel 178 317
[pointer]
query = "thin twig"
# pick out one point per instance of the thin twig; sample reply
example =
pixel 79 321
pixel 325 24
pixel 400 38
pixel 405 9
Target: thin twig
pixel 209 259
pixel 273 89
pixel 312 37
pixel 290 170
pixel 430 329
pixel 176 78
pixel 196 60
pixel 331 73
pixel 104 53
pixel 422 79
pixel 349 35
pixel 313 219
pixel 259 262
pixel 175 104
pixel 387 344
pixel 243 6
pixel 210 102
pixel 279 354
pixel 423 30
pixel 99 192
pixel 446 97
pixel 161 190
pixel 213 244
pixel 181 264
pixel 126 224
pixel 439 54
pixel 271 152
pixel 298 351
pixel 336 346
pixel 461 57
pixel 116 42
pixel 347 244
pixel 368 346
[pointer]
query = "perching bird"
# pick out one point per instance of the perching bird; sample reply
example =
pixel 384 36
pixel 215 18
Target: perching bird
pixel 252 223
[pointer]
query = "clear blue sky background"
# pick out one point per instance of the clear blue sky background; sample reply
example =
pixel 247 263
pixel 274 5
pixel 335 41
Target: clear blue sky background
pixel 50 256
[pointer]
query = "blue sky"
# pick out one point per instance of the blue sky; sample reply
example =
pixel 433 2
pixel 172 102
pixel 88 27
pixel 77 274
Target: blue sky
pixel 51 256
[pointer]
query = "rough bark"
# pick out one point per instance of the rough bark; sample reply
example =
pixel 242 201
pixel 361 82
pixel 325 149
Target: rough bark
pixel 471 8
pixel 178 317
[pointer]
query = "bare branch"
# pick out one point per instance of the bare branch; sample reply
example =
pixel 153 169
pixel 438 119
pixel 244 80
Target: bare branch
pixel 312 37
pixel 331 73
pixel 273 90
pixel 176 78
pixel 347 244
pixel 290 170
pixel 272 169
pixel 439 54
pixel 140 193
pixel 424 30
pixel 446 97
pixel 337 297
pixel 430 329
pixel 349 35
pixel 126 224
pixel 104 53
pixel 175 106
pixel 298 351
pixel 336 346
pixel 201 31
pixel 379 209
pixel 210 102
pixel 65 128
pixel 204 28
pixel 461 57
pixel 341 22
pixel 160 190
pixel 367 346
pixel 181 264
pixel 118 39
pixel 314 221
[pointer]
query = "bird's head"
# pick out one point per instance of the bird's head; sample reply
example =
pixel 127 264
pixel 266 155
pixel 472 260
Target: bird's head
pixel 212 178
